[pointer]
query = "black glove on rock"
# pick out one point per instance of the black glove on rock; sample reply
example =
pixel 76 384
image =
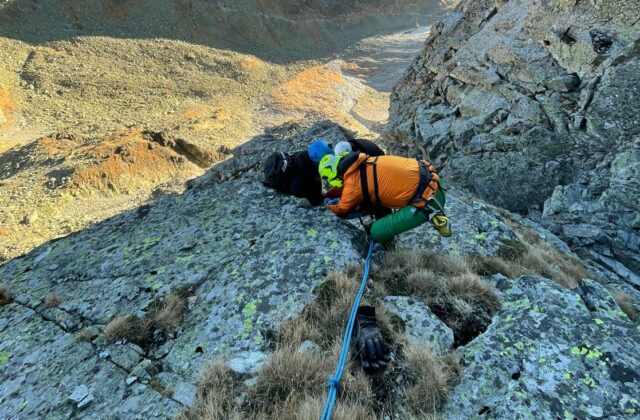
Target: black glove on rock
pixel 367 340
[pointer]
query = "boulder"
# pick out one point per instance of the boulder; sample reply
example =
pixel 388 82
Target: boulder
pixel 568 86
pixel 421 326
pixel 551 351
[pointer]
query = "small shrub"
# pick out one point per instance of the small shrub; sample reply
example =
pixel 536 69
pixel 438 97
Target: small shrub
pixel 5 295
pixel 432 378
pixel 627 304
pixel 52 300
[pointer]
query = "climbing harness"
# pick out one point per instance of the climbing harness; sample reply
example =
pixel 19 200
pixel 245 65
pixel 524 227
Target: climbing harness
pixel 334 381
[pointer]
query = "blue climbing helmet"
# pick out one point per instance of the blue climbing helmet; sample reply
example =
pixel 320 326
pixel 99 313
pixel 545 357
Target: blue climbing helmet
pixel 319 149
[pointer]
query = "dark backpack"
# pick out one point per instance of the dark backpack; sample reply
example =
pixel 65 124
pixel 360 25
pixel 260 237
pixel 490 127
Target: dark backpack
pixel 275 170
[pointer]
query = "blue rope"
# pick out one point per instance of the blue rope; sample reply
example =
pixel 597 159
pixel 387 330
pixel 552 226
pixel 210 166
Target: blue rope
pixel 334 381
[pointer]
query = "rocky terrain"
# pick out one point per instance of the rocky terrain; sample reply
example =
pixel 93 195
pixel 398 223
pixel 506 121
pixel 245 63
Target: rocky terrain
pixel 534 107
pixel 116 92
pixel 247 264
pixel 148 273
pixel 259 27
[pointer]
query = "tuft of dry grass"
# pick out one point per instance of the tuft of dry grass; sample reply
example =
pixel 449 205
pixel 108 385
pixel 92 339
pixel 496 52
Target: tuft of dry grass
pixel 627 304
pixel 311 408
pixel 432 378
pixel 5 295
pixel 123 327
pixel 535 257
pixel 217 390
pixel 290 375
pixel 168 315
pixel 540 259
pixel 293 384
pixel 52 300
pixel 448 286
pixel 165 315
pixel 464 302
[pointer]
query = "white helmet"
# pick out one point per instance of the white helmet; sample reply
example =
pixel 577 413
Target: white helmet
pixel 342 147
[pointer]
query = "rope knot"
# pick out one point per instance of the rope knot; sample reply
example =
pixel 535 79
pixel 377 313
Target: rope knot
pixel 333 383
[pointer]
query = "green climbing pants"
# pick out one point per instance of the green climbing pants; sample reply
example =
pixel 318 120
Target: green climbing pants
pixel 397 222
pixel 407 218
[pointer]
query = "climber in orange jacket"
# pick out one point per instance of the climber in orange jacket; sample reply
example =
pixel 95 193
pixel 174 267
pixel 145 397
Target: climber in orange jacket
pixel 368 183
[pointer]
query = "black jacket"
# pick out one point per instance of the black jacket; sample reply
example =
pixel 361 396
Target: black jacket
pixel 366 146
pixel 301 179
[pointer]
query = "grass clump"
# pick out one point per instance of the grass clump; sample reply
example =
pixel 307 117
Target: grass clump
pixel 627 304
pixel 5 295
pixel 530 255
pixel 448 285
pixel 541 259
pixel 123 327
pixel 293 383
pixel 52 300
pixel 164 315
pixel 168 314
pixel 217 390
pixel 432 377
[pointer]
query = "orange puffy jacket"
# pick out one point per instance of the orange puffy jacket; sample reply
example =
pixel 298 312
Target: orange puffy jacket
pixel 398 182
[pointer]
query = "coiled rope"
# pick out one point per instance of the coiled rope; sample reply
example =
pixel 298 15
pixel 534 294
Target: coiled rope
pixel 334 381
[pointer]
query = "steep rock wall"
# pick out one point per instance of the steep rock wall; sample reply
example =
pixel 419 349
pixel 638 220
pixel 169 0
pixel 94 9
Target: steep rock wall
pixel 533 105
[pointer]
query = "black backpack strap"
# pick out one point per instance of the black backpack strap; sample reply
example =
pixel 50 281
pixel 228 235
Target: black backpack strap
pixel 376 192
pixel 364 183
pixel 369 205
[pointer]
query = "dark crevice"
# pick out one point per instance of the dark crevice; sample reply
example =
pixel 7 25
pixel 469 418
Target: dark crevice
pixel 484 410
pixel 566 37
pixel 491 15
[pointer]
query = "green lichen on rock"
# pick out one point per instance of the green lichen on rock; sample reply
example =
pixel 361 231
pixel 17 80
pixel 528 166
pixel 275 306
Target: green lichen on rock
pixel 554 359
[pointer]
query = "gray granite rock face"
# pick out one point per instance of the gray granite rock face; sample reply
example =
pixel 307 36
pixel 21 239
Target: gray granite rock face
pixel 47 373
pixel 422 327
pixel 478 229
pixel 533 105
pixel 553 352
pixel 250 256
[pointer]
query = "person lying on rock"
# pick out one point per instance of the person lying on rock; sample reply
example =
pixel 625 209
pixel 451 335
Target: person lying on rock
pixel 366 183
pixel 318 150
pixel 293 174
